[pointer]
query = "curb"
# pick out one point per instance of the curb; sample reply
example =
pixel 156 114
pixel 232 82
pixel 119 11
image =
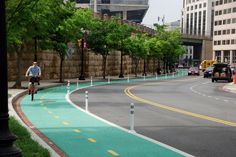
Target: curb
pixel 12 103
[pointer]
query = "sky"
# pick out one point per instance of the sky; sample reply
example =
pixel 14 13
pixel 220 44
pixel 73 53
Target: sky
pixel 171 9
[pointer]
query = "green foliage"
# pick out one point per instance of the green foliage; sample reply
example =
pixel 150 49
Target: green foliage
pixel 29 147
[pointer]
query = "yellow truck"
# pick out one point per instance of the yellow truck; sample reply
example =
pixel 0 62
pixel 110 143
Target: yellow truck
pixel 206 63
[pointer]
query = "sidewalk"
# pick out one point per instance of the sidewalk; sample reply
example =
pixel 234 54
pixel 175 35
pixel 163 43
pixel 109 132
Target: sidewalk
pixel 230 87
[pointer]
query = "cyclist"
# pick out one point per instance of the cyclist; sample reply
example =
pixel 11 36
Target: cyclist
pixel 34 72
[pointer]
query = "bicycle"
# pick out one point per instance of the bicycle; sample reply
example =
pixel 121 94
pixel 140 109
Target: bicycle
pixel 31 88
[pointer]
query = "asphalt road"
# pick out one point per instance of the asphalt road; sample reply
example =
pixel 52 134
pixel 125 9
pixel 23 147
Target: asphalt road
pixel 201 120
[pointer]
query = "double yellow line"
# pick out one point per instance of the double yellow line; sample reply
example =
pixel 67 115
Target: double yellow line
pixel 184 112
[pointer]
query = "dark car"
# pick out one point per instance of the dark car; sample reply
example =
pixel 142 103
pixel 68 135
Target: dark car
pixel 233 69
pixel 222 71
pixel 208 72
pixel 193 71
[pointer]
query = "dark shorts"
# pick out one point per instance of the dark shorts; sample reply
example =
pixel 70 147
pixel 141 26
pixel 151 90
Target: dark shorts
pixel 34 79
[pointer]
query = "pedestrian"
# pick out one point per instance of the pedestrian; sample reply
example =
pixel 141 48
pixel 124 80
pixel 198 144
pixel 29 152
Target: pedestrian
pixel 34 74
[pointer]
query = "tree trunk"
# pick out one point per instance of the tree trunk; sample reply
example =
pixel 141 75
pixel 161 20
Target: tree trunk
pixel 154 66
pixel 104 62
pixel 18 67
pixel 61 65
pixel 136 67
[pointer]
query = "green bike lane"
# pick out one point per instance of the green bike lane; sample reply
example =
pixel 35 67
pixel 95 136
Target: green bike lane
pixel 80 134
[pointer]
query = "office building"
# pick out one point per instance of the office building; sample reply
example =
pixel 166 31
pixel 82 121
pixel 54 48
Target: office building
pixel 131 10
pixel 224 38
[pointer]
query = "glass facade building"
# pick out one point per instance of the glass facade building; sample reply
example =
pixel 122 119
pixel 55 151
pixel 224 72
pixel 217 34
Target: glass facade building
pixel 131 10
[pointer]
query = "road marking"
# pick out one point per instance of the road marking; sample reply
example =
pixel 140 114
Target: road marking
pixel 92 140
pixel 65 123
pixel 77 131
pixel 131 95
pixel 113 153
pixel 226 100
pixel 56 117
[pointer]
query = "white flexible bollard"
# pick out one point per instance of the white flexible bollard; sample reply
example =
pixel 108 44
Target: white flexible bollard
pixel 86 101
pixel 144 77
pixel 166 76
pixel 173 75
pixel 68 86
pixel 132 118
pixel 91 81
pixel 156 76
pixel 77 83
pixel 109 79
pixel 128 79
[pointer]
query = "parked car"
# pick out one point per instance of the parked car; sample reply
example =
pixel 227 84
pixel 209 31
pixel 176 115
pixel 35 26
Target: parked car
pixel 233 69
pixel 222 71
pixel 208 72
pixel 193 71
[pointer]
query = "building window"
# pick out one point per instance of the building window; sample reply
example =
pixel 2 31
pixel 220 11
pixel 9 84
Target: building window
pixel 229 10
pixel 215 32
pixel 215 42
pixel 219 42
pixel 224 22
pixel 218 56
pixel 204 5
pixel 232 42
pixel 228 31
pixel 228 21
pixel 204 22
pixel 227 42
pixel 195 6
pixel 234 9
pixel 234 56
pixel 225 11
pixel 224 32
pixel 227 56
pixel 200 5
pixel 219 32
pixel 195 23
pixel 234 20
pixel 220 12
pixel 199 22
pixel 223 42
pixel 191 23
pixel 187 24
pixel 233 31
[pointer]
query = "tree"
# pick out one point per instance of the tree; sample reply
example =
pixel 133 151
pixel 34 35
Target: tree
pixel 117 40
pixel 18 21
pixel 99 39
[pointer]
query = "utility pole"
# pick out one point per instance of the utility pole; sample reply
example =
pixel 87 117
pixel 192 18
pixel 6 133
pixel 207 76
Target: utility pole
pixel 7 149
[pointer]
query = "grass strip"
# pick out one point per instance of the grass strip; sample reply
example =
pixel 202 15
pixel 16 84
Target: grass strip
pixel 29 147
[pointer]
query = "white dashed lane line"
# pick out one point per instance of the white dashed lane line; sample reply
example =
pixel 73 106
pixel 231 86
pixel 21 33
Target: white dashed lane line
pixel 209 96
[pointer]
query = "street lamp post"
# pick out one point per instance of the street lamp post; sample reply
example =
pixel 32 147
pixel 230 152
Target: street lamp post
pixel 121 65
pixel 82 77
pixel 7 149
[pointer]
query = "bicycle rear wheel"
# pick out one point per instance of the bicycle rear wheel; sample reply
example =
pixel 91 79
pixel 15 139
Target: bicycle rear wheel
pixel 32 96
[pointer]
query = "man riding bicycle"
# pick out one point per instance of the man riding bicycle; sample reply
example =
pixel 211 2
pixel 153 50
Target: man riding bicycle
pixel 34 72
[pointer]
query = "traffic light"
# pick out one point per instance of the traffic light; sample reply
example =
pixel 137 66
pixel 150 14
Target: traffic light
pixel 79 43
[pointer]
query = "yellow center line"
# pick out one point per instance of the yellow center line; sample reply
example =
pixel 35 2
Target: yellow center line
pixel 77 130
pixel 65 123
pixel 92 140
pixel 131 95
pixel 113 153
pixel 56 117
